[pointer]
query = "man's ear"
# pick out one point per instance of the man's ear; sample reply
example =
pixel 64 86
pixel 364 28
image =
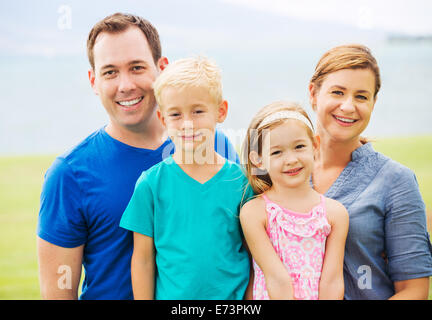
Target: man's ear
pixel 92 77
pixel 162 63
pixel 222 111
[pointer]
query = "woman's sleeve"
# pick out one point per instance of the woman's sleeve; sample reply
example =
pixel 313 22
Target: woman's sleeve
pixel 408 246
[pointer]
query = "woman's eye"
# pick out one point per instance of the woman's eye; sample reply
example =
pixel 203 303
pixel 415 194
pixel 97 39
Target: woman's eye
pixel 361 97
pixel 337 92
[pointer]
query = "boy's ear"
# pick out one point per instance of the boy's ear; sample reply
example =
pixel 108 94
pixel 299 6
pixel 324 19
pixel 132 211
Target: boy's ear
pixel 160 117
pixel 222 111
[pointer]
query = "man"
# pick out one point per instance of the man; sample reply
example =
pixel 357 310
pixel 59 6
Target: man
pixel 87 189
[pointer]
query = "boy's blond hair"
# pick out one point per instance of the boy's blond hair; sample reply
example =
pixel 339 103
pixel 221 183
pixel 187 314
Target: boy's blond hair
pixel 197 71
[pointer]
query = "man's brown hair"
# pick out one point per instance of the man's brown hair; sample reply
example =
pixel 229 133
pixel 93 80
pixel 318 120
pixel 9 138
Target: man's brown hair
pixel 119 22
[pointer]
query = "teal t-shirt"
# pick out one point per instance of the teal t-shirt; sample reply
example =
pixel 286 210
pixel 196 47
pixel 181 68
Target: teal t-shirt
pixel 196 231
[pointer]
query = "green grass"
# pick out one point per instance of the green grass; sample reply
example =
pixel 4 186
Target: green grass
pixel 20 185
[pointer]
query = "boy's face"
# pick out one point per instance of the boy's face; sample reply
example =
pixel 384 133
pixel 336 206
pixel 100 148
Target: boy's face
pixel 190 115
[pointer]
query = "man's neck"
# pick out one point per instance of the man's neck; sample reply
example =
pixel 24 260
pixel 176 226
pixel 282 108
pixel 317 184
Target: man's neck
pixel 150 136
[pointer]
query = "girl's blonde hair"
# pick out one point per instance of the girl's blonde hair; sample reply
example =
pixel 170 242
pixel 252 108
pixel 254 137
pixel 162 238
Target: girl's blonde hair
pixel 197 71
pixel 260 181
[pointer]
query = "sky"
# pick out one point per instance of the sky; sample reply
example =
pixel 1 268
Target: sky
pixel 60 27
pixel 267 50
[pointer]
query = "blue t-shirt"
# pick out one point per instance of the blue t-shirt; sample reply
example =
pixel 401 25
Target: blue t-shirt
pixel 387 239
pixel 196 231
pixel 84 195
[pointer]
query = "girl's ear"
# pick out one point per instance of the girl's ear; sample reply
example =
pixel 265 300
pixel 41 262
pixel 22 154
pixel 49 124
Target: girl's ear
pixel 255 158
pixel 317 141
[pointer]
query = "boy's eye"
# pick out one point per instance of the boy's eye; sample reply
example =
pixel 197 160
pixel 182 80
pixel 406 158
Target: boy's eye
pixel 274 153
pixel 300 146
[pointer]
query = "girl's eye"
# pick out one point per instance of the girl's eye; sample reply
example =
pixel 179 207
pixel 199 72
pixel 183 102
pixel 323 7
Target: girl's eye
pixel 337 92
pixel 274 153
pixel 300 146
pixel 173 115
pixel 198 111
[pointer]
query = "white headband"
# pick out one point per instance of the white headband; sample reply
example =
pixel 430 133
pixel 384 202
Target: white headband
pixel 285 115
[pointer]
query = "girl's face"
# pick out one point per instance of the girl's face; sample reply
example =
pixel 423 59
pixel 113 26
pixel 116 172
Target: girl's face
pixel 287 154
pixel 344 103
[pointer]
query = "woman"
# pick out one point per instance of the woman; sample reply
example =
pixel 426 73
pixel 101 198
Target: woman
pixel 388 252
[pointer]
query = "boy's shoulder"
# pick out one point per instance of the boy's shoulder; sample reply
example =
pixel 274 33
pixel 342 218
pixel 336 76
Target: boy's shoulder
pixel 156 171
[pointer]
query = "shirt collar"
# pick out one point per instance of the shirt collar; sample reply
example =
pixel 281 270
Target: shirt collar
pixel 362 152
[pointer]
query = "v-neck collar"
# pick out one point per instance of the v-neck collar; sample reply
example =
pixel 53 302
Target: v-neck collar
pixel 216 177
pixel 357 175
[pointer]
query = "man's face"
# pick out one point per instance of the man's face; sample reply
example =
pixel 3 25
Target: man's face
pixel 123 77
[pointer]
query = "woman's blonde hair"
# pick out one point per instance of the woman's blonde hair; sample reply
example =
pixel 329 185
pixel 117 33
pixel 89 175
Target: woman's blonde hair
pixel 197 71
pixel 350 56
pixel 260 181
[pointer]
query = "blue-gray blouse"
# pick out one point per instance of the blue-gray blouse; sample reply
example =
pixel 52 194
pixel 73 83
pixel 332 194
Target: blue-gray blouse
pixel 387 238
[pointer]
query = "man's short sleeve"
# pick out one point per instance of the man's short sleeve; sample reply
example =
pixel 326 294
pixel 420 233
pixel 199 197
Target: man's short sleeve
pixel 61 220
pixel 139 214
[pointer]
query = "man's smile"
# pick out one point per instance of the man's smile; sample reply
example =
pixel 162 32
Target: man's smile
pixel 130 103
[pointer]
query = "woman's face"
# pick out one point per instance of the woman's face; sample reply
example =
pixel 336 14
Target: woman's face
pixel 344 103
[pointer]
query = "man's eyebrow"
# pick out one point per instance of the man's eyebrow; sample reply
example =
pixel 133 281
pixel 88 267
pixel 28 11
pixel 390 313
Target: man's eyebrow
pixel 138 62
pixel 107 66
pixel 110 66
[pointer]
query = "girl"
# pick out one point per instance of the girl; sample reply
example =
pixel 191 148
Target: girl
pixel 289 226
pixel 388 252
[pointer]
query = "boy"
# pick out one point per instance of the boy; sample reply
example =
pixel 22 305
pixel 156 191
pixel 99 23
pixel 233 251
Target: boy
pixel 184 211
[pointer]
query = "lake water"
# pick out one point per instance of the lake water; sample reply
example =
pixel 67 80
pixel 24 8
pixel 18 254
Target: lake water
pixel 48 105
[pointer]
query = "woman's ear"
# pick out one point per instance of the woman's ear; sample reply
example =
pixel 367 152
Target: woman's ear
pixel 312 95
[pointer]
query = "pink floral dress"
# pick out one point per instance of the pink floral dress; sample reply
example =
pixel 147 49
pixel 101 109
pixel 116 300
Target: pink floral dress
pixel 299 240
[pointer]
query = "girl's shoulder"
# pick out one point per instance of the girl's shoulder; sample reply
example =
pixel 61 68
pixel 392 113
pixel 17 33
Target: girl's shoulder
pixel 253 209
pixel 335 211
